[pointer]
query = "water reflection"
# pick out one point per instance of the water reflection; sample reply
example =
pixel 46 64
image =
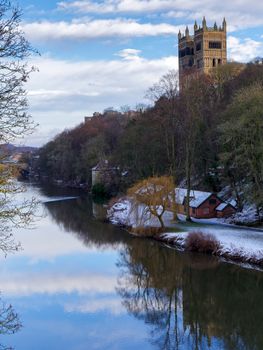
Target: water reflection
pixel 191 302
pixel 77 216
pixel 78 276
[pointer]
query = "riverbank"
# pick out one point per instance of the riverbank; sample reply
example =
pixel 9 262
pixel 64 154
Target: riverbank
pixel 235 243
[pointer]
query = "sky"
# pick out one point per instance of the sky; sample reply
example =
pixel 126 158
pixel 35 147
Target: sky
pixel 107 53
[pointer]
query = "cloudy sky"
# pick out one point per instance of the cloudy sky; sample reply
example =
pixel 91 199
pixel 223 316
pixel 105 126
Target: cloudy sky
pixel 97 54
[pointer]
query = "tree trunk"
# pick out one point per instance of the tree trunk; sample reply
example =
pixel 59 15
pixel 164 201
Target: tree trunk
pixel 161 220
pixel 188 182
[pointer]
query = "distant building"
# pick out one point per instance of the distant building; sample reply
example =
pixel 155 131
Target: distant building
pixel 98 172
pixel 89 118
pixel 203 205
pixel 201 52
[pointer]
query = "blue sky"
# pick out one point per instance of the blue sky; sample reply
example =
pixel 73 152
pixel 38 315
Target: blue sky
pixel 96 54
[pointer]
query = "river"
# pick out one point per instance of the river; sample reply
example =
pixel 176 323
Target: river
pixel 80 283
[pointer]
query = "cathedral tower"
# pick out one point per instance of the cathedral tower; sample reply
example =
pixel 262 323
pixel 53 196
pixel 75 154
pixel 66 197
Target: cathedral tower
pixel 201 52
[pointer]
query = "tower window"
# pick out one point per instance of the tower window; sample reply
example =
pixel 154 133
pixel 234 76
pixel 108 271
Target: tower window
pixel 188 51
pixel 215 45
pixel 182 53
pixel 214 62
pixel 219 61
pixel 191 62
pixel 198 46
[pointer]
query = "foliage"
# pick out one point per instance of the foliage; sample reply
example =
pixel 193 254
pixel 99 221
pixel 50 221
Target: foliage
pixel 243 142
pixel 99 190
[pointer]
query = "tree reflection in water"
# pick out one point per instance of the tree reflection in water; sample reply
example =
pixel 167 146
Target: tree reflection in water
pixel 191 301
pixel 9 322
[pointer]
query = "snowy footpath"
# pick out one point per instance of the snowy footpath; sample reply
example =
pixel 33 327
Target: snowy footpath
pixel 240 243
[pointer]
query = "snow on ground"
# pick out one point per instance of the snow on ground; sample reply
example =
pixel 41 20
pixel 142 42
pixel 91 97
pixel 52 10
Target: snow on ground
pixel 247 216
pixel 124 213
pixel 119 213
pixel 245 241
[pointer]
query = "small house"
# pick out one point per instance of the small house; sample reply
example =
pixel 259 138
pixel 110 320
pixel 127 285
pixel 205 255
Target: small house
pixel 203 205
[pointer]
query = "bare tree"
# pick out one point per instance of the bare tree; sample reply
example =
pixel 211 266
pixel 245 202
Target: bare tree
pixel 9 322
pixel 14 118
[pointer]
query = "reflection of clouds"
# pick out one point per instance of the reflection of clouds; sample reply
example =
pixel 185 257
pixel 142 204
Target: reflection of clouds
pixel 48 242
pixel 112 305
pixel 35 283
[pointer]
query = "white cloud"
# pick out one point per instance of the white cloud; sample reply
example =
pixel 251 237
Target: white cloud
pixel 244 50
pixel 129 54
pixel 63 92
pixel 92 29
pixel 239 13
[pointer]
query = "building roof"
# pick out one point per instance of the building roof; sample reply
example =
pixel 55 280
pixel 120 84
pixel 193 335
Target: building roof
pixel 102 165
pixel 196 197
pixel 223 206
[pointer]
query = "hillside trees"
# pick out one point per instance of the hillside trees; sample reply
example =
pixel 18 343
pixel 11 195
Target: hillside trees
pixel 141 148
pixel 183 135
pixel 165 95
pixel 243 142
pixel 195 121
pixel 71 155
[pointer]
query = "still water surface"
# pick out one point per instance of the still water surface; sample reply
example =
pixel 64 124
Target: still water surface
pixel 81 284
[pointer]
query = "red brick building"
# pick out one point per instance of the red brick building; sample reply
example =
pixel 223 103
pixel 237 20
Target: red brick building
pixel 203 205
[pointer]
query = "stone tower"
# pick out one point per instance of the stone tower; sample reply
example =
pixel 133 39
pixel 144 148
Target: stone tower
pixel 201 52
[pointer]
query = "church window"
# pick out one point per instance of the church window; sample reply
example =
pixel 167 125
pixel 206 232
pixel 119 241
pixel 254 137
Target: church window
pixel 198 46
pixel 191 62
pixel 219 61
pixel 214 62
pixel 188 51
pixel 182 53
pixel 215 45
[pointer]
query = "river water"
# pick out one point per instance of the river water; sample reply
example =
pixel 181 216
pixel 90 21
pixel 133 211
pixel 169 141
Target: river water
pixel 80 283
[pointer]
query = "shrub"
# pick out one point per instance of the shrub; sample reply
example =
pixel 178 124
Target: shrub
pixel 148 231
pixel 202 243
pixel 98 190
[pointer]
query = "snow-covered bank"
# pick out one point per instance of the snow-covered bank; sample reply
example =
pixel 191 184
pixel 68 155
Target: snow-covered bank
pixel 237 243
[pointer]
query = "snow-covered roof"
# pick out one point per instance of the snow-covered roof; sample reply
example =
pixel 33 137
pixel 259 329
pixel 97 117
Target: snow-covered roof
pixel 221 206
pixel 196 197
pixel 103 164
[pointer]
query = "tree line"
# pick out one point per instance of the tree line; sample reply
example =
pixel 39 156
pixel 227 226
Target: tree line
pixel 209 136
